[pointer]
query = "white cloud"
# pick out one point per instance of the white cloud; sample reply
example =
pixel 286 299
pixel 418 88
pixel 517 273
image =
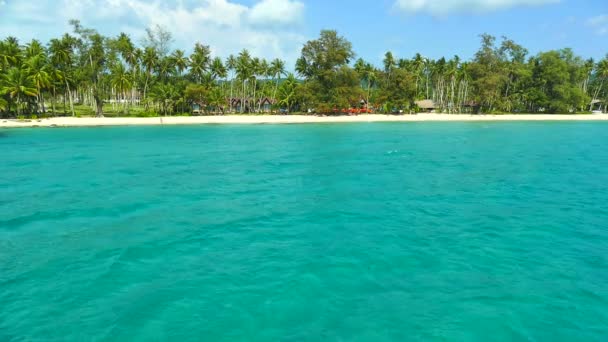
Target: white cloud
pixel 444 7
pixel 277 12
pixel 599 24
pixel 225 25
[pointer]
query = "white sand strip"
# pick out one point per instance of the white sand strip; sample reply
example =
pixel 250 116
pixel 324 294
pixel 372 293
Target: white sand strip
pixel 288 119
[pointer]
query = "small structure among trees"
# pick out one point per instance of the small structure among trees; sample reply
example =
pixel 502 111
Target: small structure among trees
pixel 427 106
pixel 597 105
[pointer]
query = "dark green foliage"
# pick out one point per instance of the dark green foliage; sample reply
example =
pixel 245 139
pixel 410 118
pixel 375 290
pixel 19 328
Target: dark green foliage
pixel 84 73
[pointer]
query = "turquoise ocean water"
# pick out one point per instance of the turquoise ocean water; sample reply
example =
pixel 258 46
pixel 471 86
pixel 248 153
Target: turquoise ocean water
pixel 337 232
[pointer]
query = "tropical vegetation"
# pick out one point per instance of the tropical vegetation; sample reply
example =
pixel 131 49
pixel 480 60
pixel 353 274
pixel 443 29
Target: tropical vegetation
pixel 86 73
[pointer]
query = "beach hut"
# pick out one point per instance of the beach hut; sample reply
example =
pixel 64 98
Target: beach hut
pixel 248 105
pixel 240 105
pixel 427 106
pixel 265 104
pixel 596 106
pixel 198 107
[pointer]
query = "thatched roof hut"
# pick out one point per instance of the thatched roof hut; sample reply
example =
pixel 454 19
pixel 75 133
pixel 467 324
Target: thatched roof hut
pixel 426 105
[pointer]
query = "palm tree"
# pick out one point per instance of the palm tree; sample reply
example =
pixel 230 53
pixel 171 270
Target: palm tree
pixel 166 96
pixel 132 57
pixel 231 64
pixel 199 61
pixel 217 69
pixel 10 55
pixel 120 80
pixel 38 72
pixel 602 74
pixel 149 61
pixel 263 70
pixel 216 99
pixel 33 48
pixel 244 71
pixel 57 81
pixel 180 60
pixel 368 74
pixel 389 65
pixel 287 92
pixel 463 84
pixel 165 68
pixel 419 64
pixel 253 72
pixel 277 68
pixel 3 104
pixel 18 86
pixel 62 53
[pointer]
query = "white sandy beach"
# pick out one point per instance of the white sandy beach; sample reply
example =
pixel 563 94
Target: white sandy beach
pixel 287 119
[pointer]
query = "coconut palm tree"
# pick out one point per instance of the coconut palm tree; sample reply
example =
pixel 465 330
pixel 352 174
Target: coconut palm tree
pixel 38 72
pixel 57 81
pixel 244 72
pixel 217 69
pixel 132 56
pixel 261 71
pixel 451 74
pixel 389 65
pixel 3 104
pixel 601 70
pixel 216 99
pixel 277 68
pixel 33 48
pixel 165 68
pixel 18 86
pixel 149 62
pixel 419 66
pixel 287 92
pixel 166 96
pixel 368 75
pixel 199 61
pixel 231 66
pixel 10 54
pixel 121 80
pixel 180 60
pixel 254 71
pixel 62 55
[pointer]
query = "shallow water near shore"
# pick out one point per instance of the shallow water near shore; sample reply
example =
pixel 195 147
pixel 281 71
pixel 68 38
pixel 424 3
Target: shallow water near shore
pixel 337 232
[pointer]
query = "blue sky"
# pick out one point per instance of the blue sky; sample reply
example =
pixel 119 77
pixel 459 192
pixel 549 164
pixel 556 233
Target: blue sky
pixel 278 28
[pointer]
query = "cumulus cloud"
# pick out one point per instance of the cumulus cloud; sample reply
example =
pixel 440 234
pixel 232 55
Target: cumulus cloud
pixel 444 7
pixel 226 25
pixel 599 24
pixel 277 12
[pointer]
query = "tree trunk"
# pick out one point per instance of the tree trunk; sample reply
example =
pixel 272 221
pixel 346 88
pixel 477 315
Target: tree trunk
pixel 276 88
pixel 98 106
pixel 53 103
pixel 70 98
pixel 43 107
pixel 368 94
pixel 254 86
pixel 597 93
pixel 146 88
pixel 243 99
pixel 231 96
pixel 38 102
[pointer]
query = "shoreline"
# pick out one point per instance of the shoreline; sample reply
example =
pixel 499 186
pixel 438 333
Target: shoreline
pixel 289 119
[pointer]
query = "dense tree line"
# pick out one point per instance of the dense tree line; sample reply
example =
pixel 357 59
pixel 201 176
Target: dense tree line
pixel 87 73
